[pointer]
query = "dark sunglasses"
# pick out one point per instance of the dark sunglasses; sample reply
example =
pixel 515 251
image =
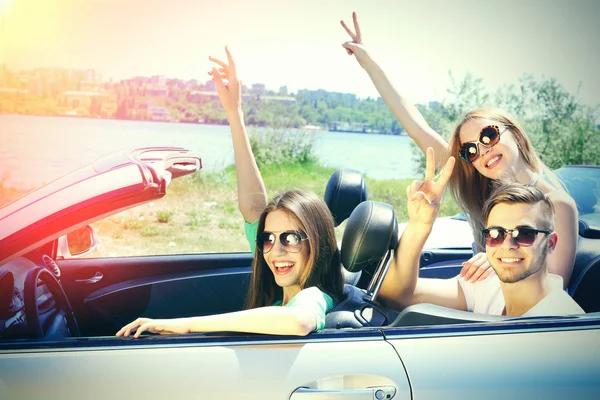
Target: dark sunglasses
pixel 291 240
pixel 523 235
pixel 489 137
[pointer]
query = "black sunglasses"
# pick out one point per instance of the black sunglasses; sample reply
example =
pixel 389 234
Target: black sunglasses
pixel 489 136
pixel 291 240
pixel 523 235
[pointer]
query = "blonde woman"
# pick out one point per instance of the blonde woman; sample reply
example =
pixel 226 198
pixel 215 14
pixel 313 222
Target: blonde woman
pixel 491 145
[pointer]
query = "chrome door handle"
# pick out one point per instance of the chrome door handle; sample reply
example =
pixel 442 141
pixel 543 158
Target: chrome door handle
pixel 97 277
pixel 371 393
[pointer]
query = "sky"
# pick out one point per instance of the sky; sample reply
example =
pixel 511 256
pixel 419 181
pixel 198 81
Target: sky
pixel 297 43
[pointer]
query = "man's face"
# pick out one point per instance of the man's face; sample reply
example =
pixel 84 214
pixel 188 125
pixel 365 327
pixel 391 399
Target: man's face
pixel 513 262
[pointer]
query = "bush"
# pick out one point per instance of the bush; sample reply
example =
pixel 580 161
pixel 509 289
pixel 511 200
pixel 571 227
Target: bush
pixel 279 146
pixel 163 216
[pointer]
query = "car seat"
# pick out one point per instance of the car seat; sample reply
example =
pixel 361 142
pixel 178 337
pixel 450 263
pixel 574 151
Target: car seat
pixel 345 190
pixel 585 279
pixel 370 237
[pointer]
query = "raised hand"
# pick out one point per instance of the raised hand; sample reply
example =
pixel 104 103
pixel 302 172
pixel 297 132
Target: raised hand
pixel 424 197
pixel 162 326
pixel 355 46
pixel 230 94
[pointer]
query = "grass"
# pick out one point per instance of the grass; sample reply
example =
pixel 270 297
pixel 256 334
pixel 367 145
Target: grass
pixel 200 214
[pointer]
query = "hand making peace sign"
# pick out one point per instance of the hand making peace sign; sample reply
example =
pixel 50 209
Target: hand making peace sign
pixel 424 197
pixel 355 46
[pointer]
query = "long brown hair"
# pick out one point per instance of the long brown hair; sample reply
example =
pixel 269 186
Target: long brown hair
pixel 470 189
pixel 323 268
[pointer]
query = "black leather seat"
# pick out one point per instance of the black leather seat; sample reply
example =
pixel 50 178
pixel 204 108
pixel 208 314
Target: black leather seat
pixel 585 279
pixel 369 238
pixel 345 190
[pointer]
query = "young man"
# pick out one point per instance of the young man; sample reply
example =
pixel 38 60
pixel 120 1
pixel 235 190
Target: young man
pixel 519 235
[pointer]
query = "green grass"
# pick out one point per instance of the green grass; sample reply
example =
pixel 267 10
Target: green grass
pixel 200 214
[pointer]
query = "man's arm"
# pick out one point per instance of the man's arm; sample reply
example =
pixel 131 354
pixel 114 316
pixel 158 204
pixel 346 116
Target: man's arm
pixel 402 286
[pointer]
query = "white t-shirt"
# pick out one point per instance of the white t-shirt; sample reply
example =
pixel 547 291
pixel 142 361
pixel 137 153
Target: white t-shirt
pixel 485 297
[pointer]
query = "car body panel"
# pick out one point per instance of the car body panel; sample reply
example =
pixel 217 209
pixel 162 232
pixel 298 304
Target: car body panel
pixel 204 369
pixel 536 361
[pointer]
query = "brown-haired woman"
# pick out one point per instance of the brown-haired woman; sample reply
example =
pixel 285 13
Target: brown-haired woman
pixel 297 276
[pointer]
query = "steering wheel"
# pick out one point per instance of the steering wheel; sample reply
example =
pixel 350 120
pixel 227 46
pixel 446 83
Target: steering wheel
pixel 59 320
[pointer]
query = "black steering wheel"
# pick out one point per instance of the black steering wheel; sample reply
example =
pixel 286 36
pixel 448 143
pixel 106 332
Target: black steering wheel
pixel 56 312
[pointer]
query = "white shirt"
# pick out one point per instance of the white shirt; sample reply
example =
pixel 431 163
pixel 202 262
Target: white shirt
pixel 485 297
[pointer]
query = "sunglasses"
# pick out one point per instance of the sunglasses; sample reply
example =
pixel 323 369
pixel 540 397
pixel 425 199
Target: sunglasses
pixel 291 240
pixel 489 137
pixel 523 235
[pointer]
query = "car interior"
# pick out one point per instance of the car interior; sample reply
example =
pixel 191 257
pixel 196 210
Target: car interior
pixel 43 298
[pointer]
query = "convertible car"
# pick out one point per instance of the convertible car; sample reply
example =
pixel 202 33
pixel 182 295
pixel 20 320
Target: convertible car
pixel 60 309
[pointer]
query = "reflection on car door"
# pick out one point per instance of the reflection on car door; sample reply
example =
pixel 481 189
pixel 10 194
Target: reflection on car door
pixel 528 360
pixel 207 367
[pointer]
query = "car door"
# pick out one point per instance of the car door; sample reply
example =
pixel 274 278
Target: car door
pixel 106 293
pixel 356 363
pixel 533 358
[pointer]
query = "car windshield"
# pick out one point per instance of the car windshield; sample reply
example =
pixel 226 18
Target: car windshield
pixel 582 183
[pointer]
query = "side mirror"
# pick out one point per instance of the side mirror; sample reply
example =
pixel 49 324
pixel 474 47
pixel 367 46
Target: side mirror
pixel 77 243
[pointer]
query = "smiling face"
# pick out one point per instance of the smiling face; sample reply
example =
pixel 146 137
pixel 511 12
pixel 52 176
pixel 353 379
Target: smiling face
pixel 503 159
pixel 287 267
pixel 511 262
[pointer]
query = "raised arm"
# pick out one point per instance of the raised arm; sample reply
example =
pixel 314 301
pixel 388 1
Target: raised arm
pixel 402 286
pixel 252 195
pixel 404 111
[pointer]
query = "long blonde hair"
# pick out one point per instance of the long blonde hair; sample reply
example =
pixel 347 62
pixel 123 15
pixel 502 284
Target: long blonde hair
pixel 470 189
pixel 323 268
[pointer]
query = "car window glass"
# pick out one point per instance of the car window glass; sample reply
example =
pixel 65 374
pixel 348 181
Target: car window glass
pixel 191 218
pixel 583 185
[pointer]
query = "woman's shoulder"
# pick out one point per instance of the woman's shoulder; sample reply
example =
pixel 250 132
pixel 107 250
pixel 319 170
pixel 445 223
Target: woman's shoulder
pixel 314 293
pixel 561 199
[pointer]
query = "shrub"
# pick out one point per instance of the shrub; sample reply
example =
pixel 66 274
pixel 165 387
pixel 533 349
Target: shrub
pixel 280 146
pixel 163 216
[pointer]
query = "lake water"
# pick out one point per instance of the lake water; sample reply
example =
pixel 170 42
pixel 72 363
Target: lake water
pixel 35 149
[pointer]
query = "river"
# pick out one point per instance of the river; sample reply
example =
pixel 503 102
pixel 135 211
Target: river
pixel 36 149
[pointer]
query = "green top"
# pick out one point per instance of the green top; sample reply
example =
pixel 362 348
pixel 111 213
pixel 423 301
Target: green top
pixel 251 231
pixel 318 302
pixel 313 299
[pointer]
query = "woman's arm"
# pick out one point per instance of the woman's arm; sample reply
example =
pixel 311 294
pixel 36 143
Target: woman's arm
pixel 562 259
pixel 252 195
pixel 274 320
pixel 404 111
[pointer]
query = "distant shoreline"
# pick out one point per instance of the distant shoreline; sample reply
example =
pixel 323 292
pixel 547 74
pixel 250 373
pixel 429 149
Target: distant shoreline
pixel 308 128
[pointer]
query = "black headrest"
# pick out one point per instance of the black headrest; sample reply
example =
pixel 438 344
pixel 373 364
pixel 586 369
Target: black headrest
pixel 345 190
pixel 371 231
pixel 586 231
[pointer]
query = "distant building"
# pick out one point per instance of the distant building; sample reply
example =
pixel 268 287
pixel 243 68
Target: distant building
pixel 283 91
pixel 258 89
pixel 210 86
pixel 158 113
pixel 89 75
pixel 282 99
pixel 199 96
pixel 157 91
pixel 346 99
pixel 158 80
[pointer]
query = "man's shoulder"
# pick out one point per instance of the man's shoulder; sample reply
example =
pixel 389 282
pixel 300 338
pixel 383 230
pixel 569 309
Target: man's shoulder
pixel 557 302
